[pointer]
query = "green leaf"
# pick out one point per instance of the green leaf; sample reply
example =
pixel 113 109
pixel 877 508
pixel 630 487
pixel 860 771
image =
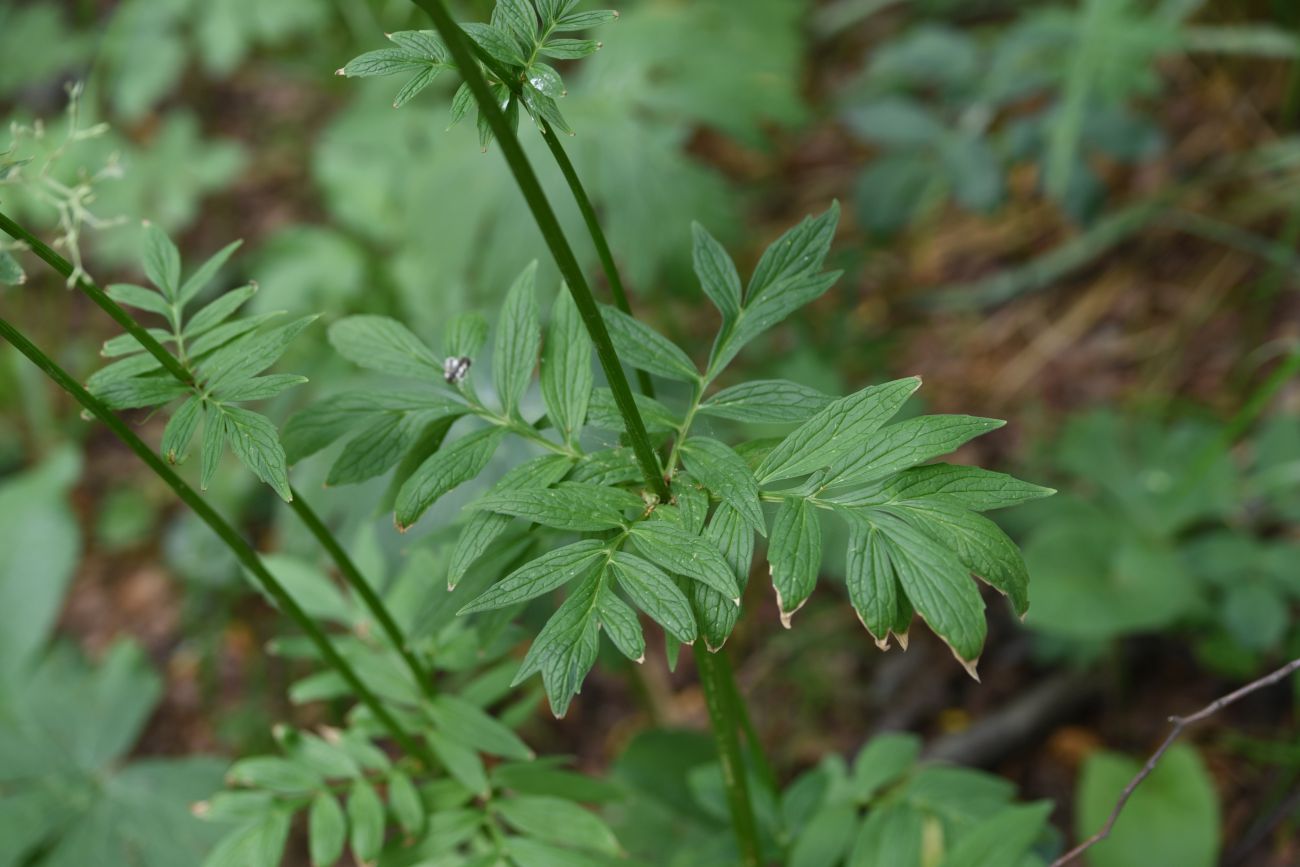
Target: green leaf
pixel 465 334
pixel 461 762
pixel 838 430
pixel 1172 818
pixel 126 344
pixel 801 250
pixel 905 444
pixel 140 298
pixel 971 488
pixel 257 844
pixel 204 273
pixel 496 42
pixel 882 762
pixel 546 81
pixel 384 345
pixel 416 85
pixel 180 430
pixel 570 49
pixel 257 388
pixel 656 594
pixel 1007 838
pixel 676 550
pixel 825 840
pixel 214 438
pixel 162 261
pixel 406 803
pixel 869 577
pixel 382 61
pixel 716 272
pixel 11 273
pixel 255 441
pixel 275 774
pixel 444 470
pixel 642 347
pixel 892 834
pixel 423 44
pixel 621 624
pixel 567 376
pixel 332 417
pixel 327 830
pixel 568 506
pixel 249 355
pixel 938 585
pixel 517 18
pixel 584 20
pixel 366 818
pixel 219 310
pixel 310 588
pixel 518 335
pixel 378 448
pixel 565 649
pixel 717 613
pixel 483 527
pixel 767 401
pixel 554 820
pixel 140 392
pixel 795 555
pixel 762 313
pixel 726 474
pixel 548 572
pixel 603 413
pixel 468 725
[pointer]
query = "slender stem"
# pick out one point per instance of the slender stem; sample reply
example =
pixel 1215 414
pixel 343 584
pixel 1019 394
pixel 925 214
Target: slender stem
pixel 228 534
pixel 766 775
pixel 597 236
pixel 715 680
pixel 178 369
pixel 362 587
pixel 696 395
pixel 458 45
pixel 108 305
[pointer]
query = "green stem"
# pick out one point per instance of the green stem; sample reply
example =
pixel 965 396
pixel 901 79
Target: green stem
pixel 228 534
pixel 718 686
pixel 177 368
pixel 94 293
pixel 363 588
pixel 458 46
pixel 597 236
pixel 766 775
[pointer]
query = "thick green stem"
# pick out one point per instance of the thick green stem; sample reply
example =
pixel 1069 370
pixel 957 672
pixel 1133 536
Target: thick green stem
pixel 716 681
pixel 228 534
pixel 458 45
pixel 363 588
pixel 177 368
pixel 597 236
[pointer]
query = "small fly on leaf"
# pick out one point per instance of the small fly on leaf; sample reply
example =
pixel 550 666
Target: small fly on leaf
pixel 454 368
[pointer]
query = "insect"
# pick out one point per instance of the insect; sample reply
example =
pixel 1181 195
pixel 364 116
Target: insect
pixel 454 368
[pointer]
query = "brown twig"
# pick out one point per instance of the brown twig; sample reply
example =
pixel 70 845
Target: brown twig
pixel 1180 723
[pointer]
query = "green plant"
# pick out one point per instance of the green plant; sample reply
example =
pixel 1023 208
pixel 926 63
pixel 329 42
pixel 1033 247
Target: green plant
pixel 647 508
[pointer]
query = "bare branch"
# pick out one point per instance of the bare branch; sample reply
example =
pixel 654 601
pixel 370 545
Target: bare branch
pixel 1180 723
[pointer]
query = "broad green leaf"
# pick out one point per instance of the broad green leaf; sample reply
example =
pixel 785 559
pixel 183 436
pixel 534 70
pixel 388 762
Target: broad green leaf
pixel 222 335
pixel 405 801
pixel 656 594
pixel 416 85
pixel 257 388
pixel 275 774
pixel 584 20
pixel 255 441
pixel 546 81
pixel 603 413
pixel 980 545
pixel 735 538
pixel 1005 839
pixel 162 261
pixel 424 44
pixel 126 344
pixel 825 840
pixel 614 466
pixel 203 275
pixel 444 470
pixel 378 447
pixel 140 298
pixel 1173 818
pixel 382 61
pixel 332 417
pixel 795 555
pixel 570 49
pixel 140 392
pixel 566 368
pixel 249 355
pixel 467 724
pixel 565 649
pixel 484 527
pixel 869 577
pixel 801 250
pixel 384 345
pixel 518 337
pixel 938 585
pixel 567 506
pixel 892 834
pixel 838 430
pixel 465 334
pixel 906 444
pixel 366 821
pixel 716 272
pixel 555 820
pixel 968 487
pixel 218 311
pixel 767 401
pixel 258 844
pixel 518 19
pixel 621 624
pixel 548 572
pixel 461 762
pixel 882 762
pixel 642 347
pixel 327 830
pixel 678 551
pixel 726 474
pixel 495 42
pixel 771 307
pixel 327 758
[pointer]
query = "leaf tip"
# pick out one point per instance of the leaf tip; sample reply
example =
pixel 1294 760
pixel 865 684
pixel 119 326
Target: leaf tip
pixel 341 71
pixel 971 666
pixel 903 638
pixel 640 660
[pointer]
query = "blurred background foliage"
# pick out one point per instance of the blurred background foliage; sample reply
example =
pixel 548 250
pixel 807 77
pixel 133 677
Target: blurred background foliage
pixel 1082 217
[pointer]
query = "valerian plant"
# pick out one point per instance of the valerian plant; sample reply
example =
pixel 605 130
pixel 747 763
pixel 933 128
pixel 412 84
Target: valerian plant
pixel 629 504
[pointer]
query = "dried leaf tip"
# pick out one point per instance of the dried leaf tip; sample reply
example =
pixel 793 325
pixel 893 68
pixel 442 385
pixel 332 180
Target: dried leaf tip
pixel 902 640
pixel 640 659
pixel 971 667
pixel 199 809
pixel 340 71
